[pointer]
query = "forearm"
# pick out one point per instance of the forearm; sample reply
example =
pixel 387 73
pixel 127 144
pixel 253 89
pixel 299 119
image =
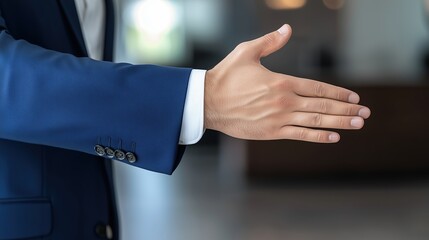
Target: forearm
pixel 56 99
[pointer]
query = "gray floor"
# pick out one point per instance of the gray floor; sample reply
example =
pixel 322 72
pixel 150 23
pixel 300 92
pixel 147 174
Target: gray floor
pixel 205 199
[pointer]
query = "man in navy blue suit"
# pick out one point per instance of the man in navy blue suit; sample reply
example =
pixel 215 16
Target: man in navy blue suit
pixel 66 112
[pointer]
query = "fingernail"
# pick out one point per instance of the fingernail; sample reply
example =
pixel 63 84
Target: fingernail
pixel 283 30
pixel 354 98
pixel 357 122
pixel 365 112
pixel 334 137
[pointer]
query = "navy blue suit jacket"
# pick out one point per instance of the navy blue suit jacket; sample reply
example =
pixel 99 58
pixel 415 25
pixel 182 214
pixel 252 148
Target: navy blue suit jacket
pixel 56 105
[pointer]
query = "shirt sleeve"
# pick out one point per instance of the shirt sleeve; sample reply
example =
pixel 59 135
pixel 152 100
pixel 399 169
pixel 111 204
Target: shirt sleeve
pixel 193 116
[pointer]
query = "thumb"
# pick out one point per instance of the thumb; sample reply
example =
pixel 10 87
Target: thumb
pixel 271 42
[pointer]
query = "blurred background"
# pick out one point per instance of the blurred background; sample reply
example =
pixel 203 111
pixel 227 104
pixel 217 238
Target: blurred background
pixel 374 184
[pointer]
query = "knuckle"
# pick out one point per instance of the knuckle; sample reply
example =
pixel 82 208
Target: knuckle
pixel 340 95
pixel 272 133
pixel 285 102
pixel 341 122
pixel 349 111
pixel 282 85
pixel 317 120
pixel 269 39
pixel 319 90
pixel 241 48
pixel 320 137
pixel 302 134
pixel 305 105
pixel 284 98
pixel 241 45
pixel 324 106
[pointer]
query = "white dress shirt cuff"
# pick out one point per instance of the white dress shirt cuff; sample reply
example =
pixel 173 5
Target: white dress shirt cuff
pixel 193 115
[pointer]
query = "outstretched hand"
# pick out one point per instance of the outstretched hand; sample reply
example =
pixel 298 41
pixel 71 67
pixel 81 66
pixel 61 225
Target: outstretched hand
pixel 245 100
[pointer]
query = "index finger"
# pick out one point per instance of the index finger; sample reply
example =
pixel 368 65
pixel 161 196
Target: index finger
pixel 312 88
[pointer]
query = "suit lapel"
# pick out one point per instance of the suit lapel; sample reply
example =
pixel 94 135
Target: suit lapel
pixel 69 10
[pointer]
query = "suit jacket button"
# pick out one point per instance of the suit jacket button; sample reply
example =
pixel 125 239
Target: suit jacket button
pixel 120 155
pixel 104 231
pixel 131 157
pixel 99 150
pixel 110 153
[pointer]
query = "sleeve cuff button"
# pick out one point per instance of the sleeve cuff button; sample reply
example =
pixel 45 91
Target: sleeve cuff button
pixel 99 150
pixel 120 155
pixel 110 153
pixel 131 157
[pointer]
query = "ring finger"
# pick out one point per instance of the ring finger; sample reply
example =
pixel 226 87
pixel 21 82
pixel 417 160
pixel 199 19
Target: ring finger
pixel 318 120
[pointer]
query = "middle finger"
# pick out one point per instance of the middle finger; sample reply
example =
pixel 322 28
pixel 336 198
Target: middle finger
pixel 333 107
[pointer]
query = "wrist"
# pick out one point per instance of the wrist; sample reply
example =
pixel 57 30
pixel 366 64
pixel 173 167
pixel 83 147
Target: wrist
pixel 209 108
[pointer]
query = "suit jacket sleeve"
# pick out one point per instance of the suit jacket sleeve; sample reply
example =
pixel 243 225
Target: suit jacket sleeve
pixel 56 99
